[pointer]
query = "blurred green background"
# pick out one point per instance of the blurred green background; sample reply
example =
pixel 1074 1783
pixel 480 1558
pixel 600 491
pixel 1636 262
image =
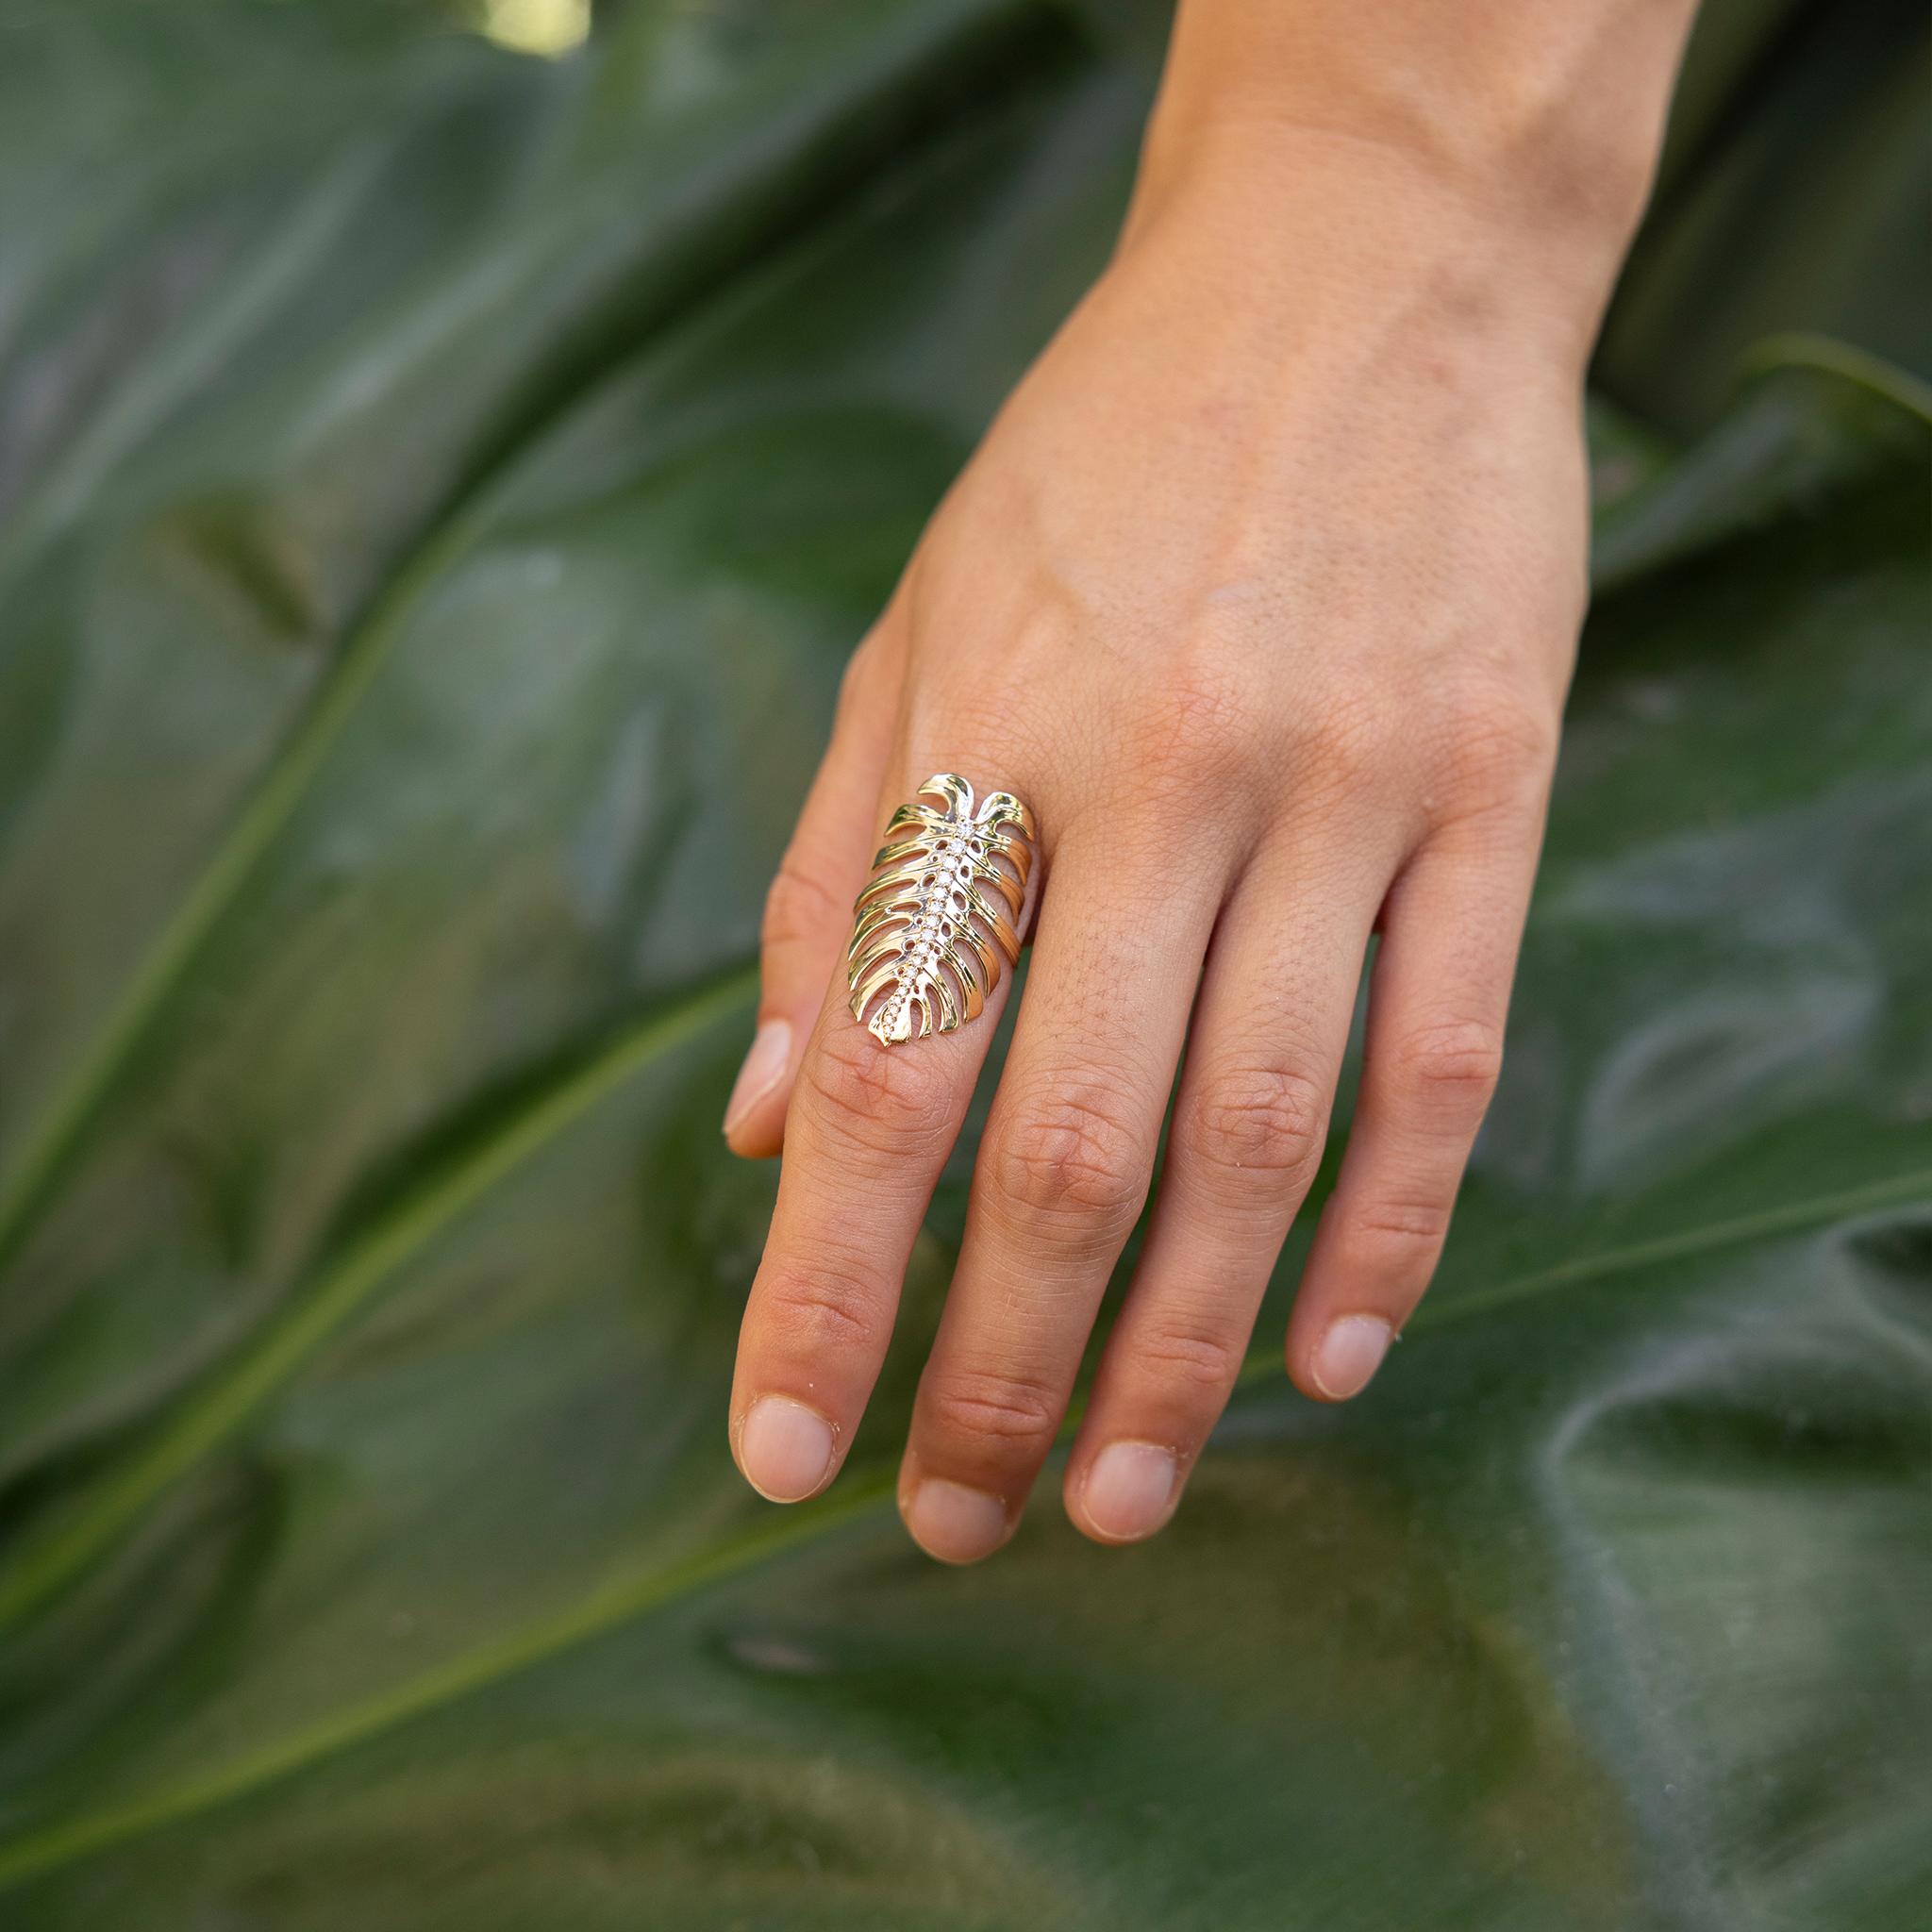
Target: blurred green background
pixel 440 483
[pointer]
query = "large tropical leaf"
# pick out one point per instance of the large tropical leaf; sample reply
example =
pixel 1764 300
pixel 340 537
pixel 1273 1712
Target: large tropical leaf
pixel 440 492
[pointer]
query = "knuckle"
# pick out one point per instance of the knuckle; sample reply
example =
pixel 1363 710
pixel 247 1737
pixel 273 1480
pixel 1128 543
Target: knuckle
pixel 1200 1366
pixel 1191 724
pixel 1484 746
pixel 831 1310
pixel 799 906
pixel 1396 1237
pixel 1002 712
pixel 883 1101
pixel 1197 714
pixel 1005 1408
pixel 1452 1067
pixel 1066 1154
pixel 1496 749
pixel 1262 1118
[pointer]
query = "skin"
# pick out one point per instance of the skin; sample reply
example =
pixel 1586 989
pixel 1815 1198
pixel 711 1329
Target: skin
pixel 1263 590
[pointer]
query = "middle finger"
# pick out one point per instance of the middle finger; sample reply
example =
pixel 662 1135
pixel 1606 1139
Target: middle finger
pixel 1062 1172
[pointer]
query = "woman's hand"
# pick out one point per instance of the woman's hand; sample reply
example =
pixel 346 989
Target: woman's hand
pixel 1263 593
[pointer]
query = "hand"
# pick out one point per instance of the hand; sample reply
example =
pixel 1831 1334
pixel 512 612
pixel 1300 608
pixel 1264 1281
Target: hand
pixel 1262 591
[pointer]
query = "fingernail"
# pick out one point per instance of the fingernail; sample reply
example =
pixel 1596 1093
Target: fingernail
pixel 954 1523
pixel 1128 1490
pixel 764 1067
pixel 1349 1355
pixel 785 1449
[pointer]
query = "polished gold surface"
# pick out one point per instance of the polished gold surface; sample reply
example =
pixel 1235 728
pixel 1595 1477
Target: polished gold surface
pixel 928 931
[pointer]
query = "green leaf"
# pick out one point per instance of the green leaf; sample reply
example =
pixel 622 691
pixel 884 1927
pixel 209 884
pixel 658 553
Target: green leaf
pixel 1816 419
pixel 418 631
pixel 1801 205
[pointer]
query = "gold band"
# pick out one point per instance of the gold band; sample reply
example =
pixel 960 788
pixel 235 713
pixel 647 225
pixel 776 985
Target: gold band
pixel 924 914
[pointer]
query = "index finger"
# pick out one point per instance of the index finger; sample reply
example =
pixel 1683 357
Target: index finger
pixel 870 1127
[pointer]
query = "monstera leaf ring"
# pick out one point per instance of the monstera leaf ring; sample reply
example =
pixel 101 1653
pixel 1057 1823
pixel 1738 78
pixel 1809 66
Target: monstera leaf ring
pixel 942 905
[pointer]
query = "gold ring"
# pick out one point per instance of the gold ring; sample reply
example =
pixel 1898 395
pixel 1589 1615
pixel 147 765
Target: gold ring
pixel 924 914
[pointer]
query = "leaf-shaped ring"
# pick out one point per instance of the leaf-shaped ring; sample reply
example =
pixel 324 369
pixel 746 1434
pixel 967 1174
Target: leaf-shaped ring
pixel 925 916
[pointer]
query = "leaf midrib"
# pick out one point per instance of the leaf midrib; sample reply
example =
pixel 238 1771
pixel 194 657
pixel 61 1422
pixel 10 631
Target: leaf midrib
pixel 614 1603
pixel 265 1363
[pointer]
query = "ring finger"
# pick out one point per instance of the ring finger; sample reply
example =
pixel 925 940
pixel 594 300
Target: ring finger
pixel 1250 1122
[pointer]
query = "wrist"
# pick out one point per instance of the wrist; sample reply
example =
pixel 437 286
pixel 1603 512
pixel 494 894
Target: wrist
pixel 1529 134
pixel 1303 241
